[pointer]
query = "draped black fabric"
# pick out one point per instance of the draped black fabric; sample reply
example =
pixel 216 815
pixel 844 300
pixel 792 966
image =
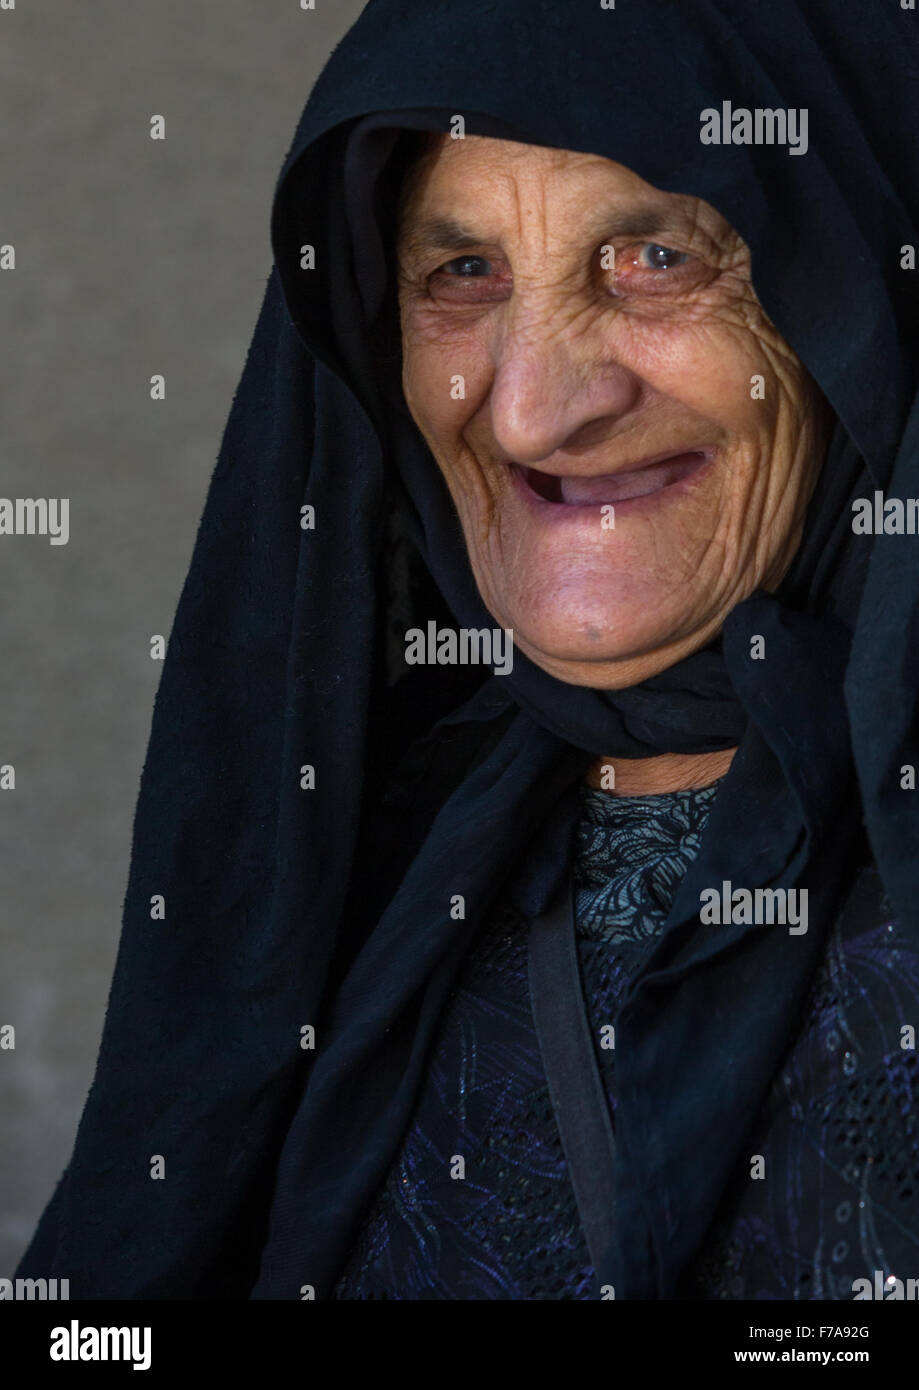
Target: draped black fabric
pixel 330 907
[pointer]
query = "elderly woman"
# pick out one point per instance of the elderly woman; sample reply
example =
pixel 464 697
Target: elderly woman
pixel 523 899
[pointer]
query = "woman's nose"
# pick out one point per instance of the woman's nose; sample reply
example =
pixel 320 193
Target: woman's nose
pixel 551 380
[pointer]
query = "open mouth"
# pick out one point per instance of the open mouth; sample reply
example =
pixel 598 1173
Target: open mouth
pixel 645 478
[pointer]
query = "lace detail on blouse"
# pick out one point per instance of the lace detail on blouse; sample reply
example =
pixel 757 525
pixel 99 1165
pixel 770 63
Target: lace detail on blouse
pixel 478 1203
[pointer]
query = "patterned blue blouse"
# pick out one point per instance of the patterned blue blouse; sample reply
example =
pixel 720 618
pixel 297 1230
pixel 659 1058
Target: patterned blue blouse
pixel 478 1203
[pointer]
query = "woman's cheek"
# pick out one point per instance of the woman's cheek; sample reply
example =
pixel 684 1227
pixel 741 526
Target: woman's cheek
pixel 435 382
pixel 710 367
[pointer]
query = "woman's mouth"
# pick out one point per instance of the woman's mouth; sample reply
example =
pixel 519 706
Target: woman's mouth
pixel 640 480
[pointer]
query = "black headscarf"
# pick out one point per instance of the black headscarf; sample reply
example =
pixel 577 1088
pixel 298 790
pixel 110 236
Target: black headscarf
pixel 330 906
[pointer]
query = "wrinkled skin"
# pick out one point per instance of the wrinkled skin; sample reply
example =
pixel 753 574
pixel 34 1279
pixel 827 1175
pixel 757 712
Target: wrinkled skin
pixel 583 370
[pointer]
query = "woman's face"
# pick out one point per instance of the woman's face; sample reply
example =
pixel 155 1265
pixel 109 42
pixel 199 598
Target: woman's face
pixel 576 340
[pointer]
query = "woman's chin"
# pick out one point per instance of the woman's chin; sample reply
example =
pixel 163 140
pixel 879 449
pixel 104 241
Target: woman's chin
pixel 602 654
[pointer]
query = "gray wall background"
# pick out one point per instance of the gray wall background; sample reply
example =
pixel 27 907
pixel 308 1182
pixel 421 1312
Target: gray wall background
pixel 133 257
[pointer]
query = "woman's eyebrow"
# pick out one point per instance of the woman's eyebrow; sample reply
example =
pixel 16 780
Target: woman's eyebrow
pixel 445 234
pixel 437 234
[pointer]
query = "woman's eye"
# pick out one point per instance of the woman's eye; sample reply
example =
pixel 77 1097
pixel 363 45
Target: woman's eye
pixel 470 280
pixel 655 257
pixel 468 266
pixel 646 268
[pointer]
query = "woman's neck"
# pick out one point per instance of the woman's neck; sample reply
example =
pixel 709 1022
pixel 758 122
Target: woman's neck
pixel 669 772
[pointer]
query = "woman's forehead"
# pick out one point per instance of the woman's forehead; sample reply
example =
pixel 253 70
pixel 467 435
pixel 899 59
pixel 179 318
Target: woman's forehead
pixel 454 182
